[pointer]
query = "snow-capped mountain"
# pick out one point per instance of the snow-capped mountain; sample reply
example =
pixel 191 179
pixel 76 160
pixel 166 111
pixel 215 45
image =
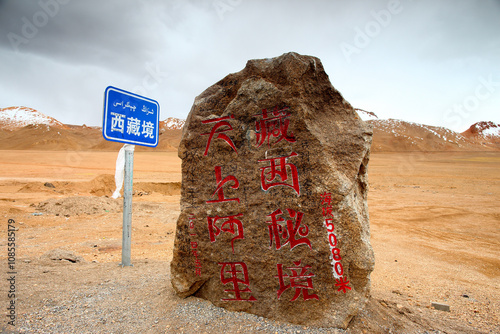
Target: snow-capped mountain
pixel 484 134
pixel 172 123
pixel 17 117
pixel 398 135
pixel 24 128
pixel 484 129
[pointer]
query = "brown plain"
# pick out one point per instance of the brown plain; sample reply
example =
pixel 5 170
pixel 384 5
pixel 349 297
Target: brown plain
pixel 435 229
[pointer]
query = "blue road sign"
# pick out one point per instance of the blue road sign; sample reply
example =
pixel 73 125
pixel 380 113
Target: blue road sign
pixel 130 118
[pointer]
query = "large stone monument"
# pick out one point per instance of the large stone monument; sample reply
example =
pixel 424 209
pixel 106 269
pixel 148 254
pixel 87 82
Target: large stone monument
pixel 274 218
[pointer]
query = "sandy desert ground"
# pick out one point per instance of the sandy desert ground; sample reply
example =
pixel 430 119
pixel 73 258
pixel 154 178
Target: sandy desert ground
pixel 435 224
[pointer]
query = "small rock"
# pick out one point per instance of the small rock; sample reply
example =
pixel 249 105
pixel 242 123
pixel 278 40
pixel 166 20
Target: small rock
pixel 440 306
pixel 49 185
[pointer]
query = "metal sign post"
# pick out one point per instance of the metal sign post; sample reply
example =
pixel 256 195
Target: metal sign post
pixel 133 120
pixel 127 205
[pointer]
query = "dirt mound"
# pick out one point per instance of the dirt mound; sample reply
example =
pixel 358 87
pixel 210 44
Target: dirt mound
pixel 102 185
pixel 99 186
pixel 60 187
pixel 33 187
pixel 79 205
pixel 60 254
pixel 168 188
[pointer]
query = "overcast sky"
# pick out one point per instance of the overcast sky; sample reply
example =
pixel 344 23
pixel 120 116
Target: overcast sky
pixel 431 62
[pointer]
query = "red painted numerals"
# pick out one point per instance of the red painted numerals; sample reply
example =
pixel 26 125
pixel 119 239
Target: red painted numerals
pixel 342 284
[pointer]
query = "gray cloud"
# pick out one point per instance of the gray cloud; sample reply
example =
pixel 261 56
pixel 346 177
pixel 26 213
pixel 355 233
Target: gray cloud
pixel 415 64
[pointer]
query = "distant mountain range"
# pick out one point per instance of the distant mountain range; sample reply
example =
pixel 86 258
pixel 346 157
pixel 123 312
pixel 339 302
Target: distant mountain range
pixel 391 135
pixel 14 118
pixel 397 135
pixel 24 128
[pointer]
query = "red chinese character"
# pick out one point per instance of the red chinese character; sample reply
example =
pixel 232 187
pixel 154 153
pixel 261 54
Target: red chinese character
pixel 220 183
pixel 194 244
pixel 342 284
pixel 236 277
pixel 198 271
pixel 277 171
pixel 283 235
pixel 273 124
pixel 231 225
pixel 300 280
pixel 327 198
pixel 327 211
pixel 221 122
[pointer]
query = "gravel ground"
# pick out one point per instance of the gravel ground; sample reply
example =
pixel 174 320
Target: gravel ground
pixel 89 297
pixel 134 299
pixel 434 231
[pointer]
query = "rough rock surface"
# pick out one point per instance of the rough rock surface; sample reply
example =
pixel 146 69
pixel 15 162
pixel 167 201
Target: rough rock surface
pixel 274 218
